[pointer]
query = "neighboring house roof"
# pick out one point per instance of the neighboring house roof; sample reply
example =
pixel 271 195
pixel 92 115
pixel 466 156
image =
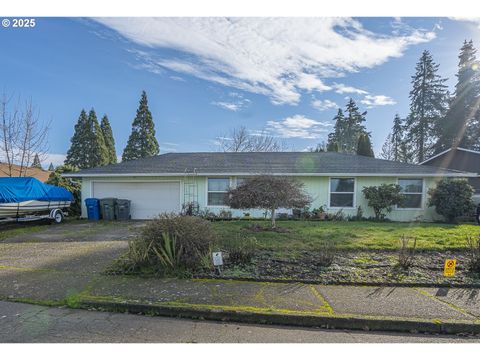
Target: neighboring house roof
pixel 277 163
pixel 38 174
pixel 448 150
pixel 459 159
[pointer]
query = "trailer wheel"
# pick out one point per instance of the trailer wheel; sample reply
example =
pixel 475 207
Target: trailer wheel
pixel 57 216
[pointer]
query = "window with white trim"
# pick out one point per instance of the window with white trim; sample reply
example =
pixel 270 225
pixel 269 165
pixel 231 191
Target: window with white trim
pixel 412 189
pixel 217 191
pixel 342 192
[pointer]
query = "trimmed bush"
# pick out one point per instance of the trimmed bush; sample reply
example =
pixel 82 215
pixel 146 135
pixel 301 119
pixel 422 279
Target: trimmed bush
pixel 452 199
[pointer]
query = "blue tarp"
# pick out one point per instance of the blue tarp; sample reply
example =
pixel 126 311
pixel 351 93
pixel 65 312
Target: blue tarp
pixel 18 189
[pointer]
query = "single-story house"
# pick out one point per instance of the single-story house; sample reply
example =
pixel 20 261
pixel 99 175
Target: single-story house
pixel 16 170
pixel 459 159
pixel 164 183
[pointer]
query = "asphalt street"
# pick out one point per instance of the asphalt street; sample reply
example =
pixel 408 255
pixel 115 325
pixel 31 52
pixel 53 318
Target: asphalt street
pixel 24 323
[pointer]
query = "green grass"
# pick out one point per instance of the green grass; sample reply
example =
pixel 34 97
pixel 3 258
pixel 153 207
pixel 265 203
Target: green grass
pixel 20 230
pixel 309 235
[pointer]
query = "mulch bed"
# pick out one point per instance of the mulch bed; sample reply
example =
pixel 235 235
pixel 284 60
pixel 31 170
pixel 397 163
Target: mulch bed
pixel 354 266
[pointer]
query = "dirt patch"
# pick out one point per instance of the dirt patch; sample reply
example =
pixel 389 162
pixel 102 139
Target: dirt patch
pixel 256 228
pixel 354 266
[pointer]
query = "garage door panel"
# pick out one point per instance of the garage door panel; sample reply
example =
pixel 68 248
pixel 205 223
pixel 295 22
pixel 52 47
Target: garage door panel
pixel 148 199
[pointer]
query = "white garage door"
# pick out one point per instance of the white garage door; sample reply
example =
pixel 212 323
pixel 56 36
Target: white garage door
pixel 148 199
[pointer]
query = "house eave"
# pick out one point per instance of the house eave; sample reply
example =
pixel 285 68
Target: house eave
pixel 458 175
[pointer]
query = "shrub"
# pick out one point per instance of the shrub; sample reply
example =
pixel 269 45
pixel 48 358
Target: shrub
pixel 225 214
pixel 406 252
pixel 473 253
pixel 191 237
pixel 327 251
pixel 452 198
pixel 382 198
pixel 72 185
pixel 240 249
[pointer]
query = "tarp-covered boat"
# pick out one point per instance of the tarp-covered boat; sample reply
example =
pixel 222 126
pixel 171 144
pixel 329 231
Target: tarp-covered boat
pixel 20 196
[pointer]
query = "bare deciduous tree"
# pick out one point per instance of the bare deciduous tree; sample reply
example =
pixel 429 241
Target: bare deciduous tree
pixel 22 135
pixel 242 140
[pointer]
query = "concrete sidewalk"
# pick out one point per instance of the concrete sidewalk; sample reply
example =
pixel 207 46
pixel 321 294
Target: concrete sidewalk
pixel 395 308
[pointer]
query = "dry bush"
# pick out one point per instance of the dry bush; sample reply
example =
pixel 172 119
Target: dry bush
pixel 406 251
pixel 240 249
pixel 473 253
pixel 327 251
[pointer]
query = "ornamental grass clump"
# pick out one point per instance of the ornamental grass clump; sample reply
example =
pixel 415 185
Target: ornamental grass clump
pixel 171 244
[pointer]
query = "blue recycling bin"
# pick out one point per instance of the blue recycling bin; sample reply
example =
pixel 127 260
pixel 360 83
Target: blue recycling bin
pixel 93 209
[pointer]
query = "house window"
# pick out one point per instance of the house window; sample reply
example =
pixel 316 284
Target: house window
pixel 412 189
pixel 217 191
pixel 342 192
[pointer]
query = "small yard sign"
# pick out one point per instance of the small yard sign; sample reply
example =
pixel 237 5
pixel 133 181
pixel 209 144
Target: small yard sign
pixel 449 269
pixel 217 258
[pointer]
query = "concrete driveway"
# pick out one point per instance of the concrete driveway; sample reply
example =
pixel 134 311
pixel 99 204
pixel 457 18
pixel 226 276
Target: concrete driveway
pixel 30 261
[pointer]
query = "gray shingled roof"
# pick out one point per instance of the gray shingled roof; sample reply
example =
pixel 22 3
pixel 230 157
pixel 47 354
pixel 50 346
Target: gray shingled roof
pixel 211 163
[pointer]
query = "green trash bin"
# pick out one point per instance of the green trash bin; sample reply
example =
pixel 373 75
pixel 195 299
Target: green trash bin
pixel 107 208
pixel 122 209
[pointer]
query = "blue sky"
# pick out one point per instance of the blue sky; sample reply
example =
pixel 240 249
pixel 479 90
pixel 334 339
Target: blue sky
pixel 205 76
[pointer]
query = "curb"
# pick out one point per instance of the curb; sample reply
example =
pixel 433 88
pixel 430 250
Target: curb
pixel 343 283
pixel 320 321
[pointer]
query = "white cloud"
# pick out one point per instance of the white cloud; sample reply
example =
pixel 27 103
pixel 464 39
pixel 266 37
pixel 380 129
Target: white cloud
pixel 471 20
pixel 277 57
pixel 377 100
pixel 323 104
pixel 344 89
pixel 227 105
pixel 236 102
pixel 298 126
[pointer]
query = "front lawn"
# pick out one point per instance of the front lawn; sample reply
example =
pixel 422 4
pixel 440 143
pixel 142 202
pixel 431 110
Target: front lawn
pixel 353 235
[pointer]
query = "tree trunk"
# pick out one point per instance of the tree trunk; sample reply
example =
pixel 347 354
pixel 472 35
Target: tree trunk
pixel 273 219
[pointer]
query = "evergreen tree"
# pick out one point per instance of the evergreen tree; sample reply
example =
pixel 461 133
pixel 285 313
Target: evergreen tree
pixel 51 167
pixel 98 152
pixel 332 147
pixel 142 142
pixel 428 104
pixel 364 146
pixel 395 147
pixel 87 147
pixel 77 155
pixel 109 140
pixel 334 137
pixel 36 162
pixel 459 127
pixel 347 129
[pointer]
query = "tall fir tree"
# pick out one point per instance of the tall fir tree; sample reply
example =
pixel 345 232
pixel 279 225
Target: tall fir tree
pixel 77 154
pixel 87 147
pixel 348 128
pixel 395 147
pixel 334 137
pixel 428 105
pixel 109 140
pixel 36 162
pixel 51 167
pixel 142 142
pixel 98 152
pixel 460 127
pixel 364 146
